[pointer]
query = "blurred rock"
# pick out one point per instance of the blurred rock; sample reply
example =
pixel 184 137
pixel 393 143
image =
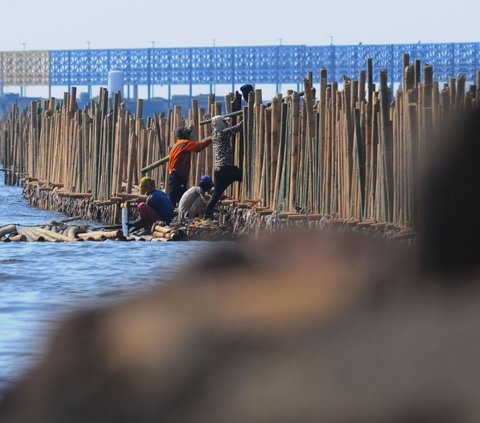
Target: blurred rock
pixel 315 327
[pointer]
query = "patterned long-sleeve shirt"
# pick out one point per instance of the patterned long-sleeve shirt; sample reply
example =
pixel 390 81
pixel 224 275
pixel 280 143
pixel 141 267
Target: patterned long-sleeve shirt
pixel 222 146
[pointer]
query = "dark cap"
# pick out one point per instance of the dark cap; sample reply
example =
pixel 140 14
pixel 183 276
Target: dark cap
pixel 183 133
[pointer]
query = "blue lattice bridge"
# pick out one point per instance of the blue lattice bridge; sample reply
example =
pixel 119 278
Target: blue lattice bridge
pixel 280 64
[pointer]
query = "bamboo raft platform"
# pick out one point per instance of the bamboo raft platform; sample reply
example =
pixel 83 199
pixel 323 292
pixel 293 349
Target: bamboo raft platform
pixel 60 232
pixel 239 222
pixel 347 159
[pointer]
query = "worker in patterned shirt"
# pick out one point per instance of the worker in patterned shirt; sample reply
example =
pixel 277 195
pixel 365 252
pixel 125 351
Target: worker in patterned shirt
pixel 225 173
pixel 179 162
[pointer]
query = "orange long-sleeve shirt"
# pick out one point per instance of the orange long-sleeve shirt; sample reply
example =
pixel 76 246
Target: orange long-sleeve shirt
pixel 180 155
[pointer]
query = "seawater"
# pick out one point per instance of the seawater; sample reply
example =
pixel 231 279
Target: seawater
pixel 42 282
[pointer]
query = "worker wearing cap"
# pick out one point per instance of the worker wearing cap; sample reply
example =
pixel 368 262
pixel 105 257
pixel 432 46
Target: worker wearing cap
pixel 225 173
pixel 157 207
pixel 193 202
pixel 179 163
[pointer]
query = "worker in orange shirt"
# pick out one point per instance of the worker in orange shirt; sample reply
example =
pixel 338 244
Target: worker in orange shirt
pixel 179 163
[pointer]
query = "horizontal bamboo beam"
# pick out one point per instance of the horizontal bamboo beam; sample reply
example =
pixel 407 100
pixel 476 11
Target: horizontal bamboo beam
pixel 165 159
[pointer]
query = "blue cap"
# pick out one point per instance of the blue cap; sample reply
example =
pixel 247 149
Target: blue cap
pixel 206 180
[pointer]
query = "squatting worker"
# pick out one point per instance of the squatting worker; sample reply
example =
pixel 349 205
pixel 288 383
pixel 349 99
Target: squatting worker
pixel 157 207
pixel 179 163
pixel 193 202
pixel 225 173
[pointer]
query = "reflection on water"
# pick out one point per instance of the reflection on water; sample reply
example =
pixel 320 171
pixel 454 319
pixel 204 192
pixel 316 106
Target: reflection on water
pixel 40 282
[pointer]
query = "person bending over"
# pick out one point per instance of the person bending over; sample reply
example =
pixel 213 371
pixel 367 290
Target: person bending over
pixel 157 207
pixel 225 173
pixel 193 202
pixel 179 163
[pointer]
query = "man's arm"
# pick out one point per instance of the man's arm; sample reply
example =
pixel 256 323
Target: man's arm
pixel 148 201
pixel 196 147
pixel 203 195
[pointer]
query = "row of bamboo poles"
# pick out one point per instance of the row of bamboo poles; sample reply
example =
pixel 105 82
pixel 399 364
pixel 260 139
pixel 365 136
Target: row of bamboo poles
pixel 97 151
pixel 351 153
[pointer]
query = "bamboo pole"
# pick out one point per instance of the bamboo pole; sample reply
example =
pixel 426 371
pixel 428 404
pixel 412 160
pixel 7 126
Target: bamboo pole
pixel 7 229
pixel 294 150
pixel 30 234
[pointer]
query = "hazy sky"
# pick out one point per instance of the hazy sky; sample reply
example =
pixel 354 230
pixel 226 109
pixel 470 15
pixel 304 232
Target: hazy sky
pixel 63 24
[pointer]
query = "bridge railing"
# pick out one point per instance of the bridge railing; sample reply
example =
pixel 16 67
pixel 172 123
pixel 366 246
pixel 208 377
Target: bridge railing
pixel 281 64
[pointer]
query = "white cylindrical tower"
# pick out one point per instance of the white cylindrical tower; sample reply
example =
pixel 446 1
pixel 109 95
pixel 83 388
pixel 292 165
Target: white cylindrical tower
pixel 115 82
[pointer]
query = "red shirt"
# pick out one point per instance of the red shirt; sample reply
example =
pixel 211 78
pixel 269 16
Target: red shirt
pixel 180 155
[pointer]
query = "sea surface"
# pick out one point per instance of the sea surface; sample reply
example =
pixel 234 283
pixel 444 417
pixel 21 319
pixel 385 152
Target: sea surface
pixel 42 282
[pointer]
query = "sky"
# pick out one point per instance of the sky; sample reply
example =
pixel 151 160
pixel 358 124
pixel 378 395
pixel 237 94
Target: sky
pixel 64 24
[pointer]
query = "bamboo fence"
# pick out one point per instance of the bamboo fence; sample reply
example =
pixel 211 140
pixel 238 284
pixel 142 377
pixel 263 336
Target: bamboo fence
pixel 352 153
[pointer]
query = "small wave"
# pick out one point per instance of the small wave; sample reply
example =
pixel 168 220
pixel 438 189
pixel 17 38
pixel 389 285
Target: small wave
pixel 7 277
pixel 10 261
pixel 113 293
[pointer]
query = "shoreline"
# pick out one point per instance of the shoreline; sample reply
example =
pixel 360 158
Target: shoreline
pixel 237 220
